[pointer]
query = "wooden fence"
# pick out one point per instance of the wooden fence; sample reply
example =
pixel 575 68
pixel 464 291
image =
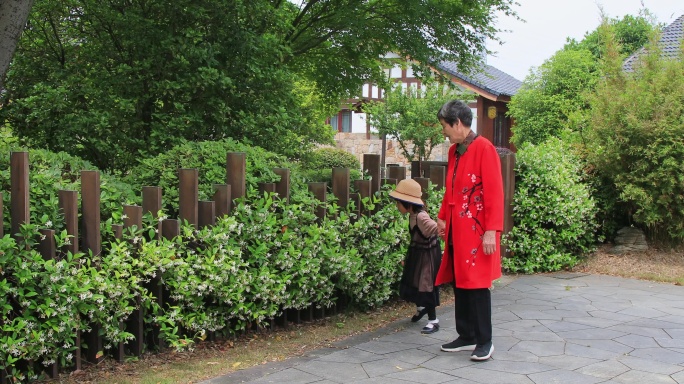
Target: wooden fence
pixel 87 238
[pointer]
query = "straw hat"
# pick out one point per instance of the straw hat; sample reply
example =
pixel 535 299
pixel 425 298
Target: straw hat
pixel 408 190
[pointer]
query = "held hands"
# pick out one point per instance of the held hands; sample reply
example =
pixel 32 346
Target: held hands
pixel 441 228
pixel 489 242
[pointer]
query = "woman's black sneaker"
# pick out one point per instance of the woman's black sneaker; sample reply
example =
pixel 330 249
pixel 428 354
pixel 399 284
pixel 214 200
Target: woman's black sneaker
pixel 482 352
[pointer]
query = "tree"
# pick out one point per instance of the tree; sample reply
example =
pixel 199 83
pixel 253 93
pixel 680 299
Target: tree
pixel 410 116
pixel 552 99
pixel 116 81
pixel 13 16
pixel 636 140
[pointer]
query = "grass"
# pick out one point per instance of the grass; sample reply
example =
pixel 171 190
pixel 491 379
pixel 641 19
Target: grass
pixel 212 359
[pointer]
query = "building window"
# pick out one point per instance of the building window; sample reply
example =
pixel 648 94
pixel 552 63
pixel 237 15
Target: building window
pixel 341 122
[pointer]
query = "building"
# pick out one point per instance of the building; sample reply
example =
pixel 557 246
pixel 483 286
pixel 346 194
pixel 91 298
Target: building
pixel 493 88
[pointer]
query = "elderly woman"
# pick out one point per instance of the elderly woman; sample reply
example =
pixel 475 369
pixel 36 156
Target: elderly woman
pixel 470 220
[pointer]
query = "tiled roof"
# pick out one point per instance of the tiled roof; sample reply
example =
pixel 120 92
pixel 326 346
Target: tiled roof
pixel 489 79
pixel 669 43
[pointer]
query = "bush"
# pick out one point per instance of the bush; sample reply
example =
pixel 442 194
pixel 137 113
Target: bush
pixel 553 214
pixel 50 172
pixel 317 165
pixel 636 141
pixel 209 157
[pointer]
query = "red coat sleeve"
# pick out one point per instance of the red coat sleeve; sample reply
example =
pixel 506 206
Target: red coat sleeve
pixel 492 186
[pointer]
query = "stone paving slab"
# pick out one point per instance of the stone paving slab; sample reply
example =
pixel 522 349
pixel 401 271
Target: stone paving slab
pixel 548 328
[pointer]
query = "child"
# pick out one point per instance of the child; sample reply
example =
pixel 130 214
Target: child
pixel 423 257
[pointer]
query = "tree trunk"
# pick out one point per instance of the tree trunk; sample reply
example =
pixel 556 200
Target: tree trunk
pixel 13 16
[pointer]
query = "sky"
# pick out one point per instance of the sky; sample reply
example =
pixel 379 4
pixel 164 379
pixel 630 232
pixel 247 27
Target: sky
pixel 549 22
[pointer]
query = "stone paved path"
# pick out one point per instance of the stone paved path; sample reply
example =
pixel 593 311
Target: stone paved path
pixel 554 328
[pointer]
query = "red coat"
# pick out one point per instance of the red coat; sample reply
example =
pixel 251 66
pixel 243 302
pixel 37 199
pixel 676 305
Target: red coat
pixel 472 205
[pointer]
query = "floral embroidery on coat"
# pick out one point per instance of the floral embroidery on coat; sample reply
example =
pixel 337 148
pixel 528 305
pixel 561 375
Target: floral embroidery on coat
pixel 472 207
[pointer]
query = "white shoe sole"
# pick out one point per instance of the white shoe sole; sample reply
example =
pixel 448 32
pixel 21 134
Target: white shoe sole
pixel 459 349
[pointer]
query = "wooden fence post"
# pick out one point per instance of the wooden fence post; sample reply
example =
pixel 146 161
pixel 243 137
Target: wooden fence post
pixel 68 204
pixel 19 200
pixel 48 250
pixel 365 191
pixel 266 188
pixel 136 321
pixel 397 173
pixel 206 216
pixel 92 242
pixel 340 186
pixel 371 165
pixel 120 353
pixel 223 200
pixel 236 164
pixel 283 186
pixel 424 184
pixel 438 176
pixel 319 190
pixel 188 193
pixel 152 204
pixel 508 175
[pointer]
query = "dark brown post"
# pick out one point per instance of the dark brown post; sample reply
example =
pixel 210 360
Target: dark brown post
pixel 187 195
pixel 170 229
pixel 340 186
pixel 508 175
pixel 207 214
pixel 68 204
pixel 133 216
pixel 356 200
pixel 398 173
pixel 92 242
pixel 223 199
pixel 152 203
pixel 365 190
pixel 389 181
pixel 266 187
pixel 236 173
pixel 424 184
pixel 283 186
pixel 135 323
pixel 90 205
pixel 371 165
pixel 438 176
pixel 118 231
pixel 319 190
pixel 47 247
pixel 19 200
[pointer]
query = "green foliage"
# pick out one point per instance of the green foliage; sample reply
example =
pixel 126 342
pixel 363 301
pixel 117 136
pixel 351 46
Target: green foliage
pixel 317 165
pixel 410 116
pixel 636 143
pixel 552 96
pixel 209 158
pixel 117 81
pixel 140 84
pixel 265 258
pixel 553 214
pixel 50 172
pixel 631 33
pixel 553 99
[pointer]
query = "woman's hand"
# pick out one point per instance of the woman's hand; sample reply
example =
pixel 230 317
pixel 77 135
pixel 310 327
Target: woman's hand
pixel 489 242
